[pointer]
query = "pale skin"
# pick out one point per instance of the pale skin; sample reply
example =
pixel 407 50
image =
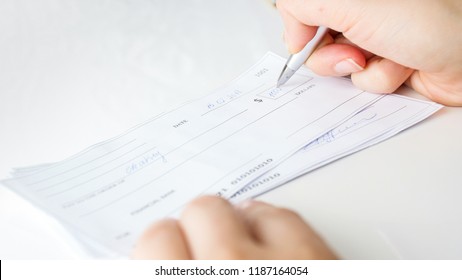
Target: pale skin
pixel 382 44
pixel 212 228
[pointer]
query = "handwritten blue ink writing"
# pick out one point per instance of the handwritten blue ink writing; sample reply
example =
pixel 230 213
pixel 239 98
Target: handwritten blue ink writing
pixel 274 92
pixel 224 99
pixel 145 161
pixel 335 133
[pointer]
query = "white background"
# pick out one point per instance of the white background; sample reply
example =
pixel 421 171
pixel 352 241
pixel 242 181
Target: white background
pixel 76 72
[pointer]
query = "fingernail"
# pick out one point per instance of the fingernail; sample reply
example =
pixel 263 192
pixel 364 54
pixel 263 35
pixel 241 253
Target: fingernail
pixel 347 66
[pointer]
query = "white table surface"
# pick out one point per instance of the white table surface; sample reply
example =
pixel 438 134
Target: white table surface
pixel 76 72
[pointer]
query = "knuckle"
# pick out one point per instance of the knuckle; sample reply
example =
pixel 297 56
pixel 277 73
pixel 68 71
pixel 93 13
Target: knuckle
pixel 379 79
pixel 372 82
pixel 276 213
pixel 159 228
pixel 203 204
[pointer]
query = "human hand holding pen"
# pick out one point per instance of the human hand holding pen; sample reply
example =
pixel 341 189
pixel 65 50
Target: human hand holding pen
pixel 383 43
pixel 295 61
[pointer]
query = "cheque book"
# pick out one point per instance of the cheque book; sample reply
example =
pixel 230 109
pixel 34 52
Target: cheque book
pixel 221 144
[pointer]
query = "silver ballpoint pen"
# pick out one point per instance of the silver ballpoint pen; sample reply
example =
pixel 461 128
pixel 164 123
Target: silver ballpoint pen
pixel 296 61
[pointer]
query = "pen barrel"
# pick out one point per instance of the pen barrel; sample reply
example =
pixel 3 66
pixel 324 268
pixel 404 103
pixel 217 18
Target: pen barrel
pixel 297 60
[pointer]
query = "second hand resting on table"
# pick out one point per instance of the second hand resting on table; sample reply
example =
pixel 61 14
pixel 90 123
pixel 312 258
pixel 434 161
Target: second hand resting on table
pixel 381 44
pixel 211 228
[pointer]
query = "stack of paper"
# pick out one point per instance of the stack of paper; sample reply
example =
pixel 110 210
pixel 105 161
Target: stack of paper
pixel 237 142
